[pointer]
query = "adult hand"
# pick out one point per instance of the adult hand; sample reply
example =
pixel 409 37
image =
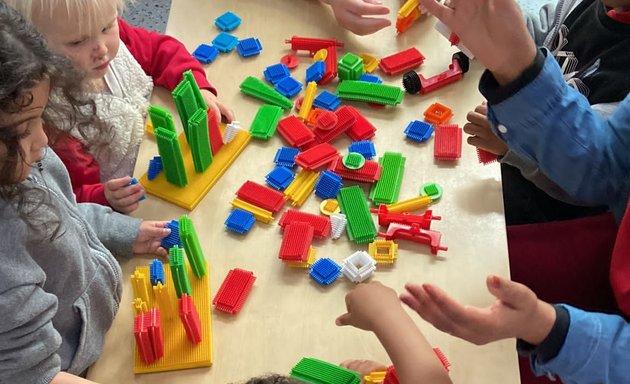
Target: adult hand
pixel 121 196
pixel 356 15
pixel 149 238
pixel 517 312
pixel 480 129
pixel 494 30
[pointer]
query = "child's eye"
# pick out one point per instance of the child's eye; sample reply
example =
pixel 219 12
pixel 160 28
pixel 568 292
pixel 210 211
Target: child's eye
pixel 76 42
pixel 24 134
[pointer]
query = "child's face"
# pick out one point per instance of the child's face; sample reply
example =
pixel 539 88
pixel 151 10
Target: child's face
pixel 27 126
pixel 90 45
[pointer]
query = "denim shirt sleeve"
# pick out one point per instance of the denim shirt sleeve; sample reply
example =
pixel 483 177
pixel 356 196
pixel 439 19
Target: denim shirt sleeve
pixel 552 125
pixel 596 350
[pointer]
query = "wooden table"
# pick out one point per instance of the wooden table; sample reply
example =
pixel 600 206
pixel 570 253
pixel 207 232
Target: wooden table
pixel 288 316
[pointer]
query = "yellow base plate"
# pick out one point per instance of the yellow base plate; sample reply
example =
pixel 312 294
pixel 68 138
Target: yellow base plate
pixel 179 352
pixel 198 183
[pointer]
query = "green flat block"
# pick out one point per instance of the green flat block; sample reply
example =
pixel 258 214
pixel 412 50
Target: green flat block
pixel 192 247
pixel 199 140
pixel 161 118
pixel 266 121
pixel 201 103
pixel 387 188
pixel 370 92
pixel 186 104
pixel 314 371
pixel 256 88
pixel 178 271
pixel 354 205
pixel 171 154
pixel 350 67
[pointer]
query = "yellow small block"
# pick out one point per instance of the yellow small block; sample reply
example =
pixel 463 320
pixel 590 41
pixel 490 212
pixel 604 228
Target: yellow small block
pixel 320 55
pixel 148 127
pixel 408 8
pixel 410 205
pixel 179 352
pixel 260 214
pixel 139 306
pixel 301 187
pixel 304 264
pixel 383 251
pixel 307 102
pixel 140 288
pixel 198 183
pixel 370 63
pixel 375 377
pixel 329 206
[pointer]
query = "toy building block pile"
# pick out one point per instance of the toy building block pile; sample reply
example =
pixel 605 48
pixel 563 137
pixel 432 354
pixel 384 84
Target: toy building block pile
pixel 172 328
pixel 225 42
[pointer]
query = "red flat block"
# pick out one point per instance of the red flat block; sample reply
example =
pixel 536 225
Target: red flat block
pixel 331 66
pixel 448 142
pixel 385 217
pixel 325 120
pixel 321 224
pixel 345 120
pixel 486 157
pixel 155 332
pixel 369 173
pixel 362 129
pixel 234 291
pixel 311 44
pixel 296 241
pixel 261 196
pixel 190 318
pixel 401 61
pixel 216 139
pixel 391 377
pixel 316 156
pixel 295 132
pixel 143 339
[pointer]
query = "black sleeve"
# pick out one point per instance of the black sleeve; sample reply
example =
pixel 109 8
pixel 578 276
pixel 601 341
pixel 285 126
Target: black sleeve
pixel 552 344
pixel 495 93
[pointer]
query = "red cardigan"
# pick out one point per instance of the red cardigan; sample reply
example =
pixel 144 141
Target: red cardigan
pixel 162 57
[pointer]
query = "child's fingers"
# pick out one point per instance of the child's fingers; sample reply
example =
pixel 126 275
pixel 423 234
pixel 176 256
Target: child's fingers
pixel 128 200
pixel 121 193
pixel 226 112
pixel 156 231
pixel 475 130
pixel 511 293
pixel 115 184
pixel 367 26
pixel 438 10
pixel 344 319
pixel 128 208
pixel 478 118
pixel 482 109
pixel 364 8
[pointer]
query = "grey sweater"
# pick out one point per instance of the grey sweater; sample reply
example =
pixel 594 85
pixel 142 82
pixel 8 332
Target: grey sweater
pixel 58 298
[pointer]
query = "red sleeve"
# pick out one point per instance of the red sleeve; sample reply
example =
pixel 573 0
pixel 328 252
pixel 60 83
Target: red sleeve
pixel 620 265
pixel 162 57
pixel 83 169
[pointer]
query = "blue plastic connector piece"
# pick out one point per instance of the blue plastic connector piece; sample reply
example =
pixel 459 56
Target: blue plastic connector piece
pixel 227 21
pixel 288 87
pixel 275 73
pixel 286 157
pixel 173 237
pixel 134 181
pixel 370 78
pixel 325 271
pixel 419 131
pixel 280 178
pixel 327 100
pixel 328 185
pixel 240 221
pixel 225 42
pixel 155 167
pixel 156 272
pixel 205 53
pixel 315 72
pixel 366 148
pixel 249 47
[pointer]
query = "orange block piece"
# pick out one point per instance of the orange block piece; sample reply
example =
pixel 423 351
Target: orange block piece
pixel 438 114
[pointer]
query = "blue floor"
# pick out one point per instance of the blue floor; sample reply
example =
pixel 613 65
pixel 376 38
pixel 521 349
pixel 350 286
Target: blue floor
pixel 148 14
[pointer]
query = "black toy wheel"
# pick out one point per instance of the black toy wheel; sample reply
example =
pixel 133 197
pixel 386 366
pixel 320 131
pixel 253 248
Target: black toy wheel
pixel 464 62
pixel 411 82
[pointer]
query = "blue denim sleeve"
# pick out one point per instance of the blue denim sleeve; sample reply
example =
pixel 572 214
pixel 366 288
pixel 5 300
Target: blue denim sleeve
pixel 553 125
pixel 596 350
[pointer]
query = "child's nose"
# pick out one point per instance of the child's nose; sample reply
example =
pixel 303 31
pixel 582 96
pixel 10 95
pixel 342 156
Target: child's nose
pixel 100 49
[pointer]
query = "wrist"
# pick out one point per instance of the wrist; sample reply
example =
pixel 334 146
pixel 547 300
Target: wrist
pixel 514 66
pixel 540 324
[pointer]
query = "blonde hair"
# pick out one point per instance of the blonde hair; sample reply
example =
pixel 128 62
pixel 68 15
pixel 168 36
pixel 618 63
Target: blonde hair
pixel 38 9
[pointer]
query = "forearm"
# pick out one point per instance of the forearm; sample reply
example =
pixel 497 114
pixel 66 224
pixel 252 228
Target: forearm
pixel 66 378
pixel 409 351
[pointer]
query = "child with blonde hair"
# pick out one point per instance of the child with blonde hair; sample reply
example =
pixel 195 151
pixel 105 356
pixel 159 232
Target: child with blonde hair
pixel 60 285
pixel 121 64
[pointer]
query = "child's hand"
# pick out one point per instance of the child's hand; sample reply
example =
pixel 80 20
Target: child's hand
pixel 481 132
pixel 354 15
pixel 121 196
pixel 150 238
pixel 362 301
pixel 363 367
pixel 217 106
pixel 517 312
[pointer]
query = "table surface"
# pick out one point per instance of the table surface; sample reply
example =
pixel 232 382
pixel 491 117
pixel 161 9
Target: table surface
pixel 287 315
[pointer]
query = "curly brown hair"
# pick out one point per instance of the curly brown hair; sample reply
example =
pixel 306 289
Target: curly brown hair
pixel 273 379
